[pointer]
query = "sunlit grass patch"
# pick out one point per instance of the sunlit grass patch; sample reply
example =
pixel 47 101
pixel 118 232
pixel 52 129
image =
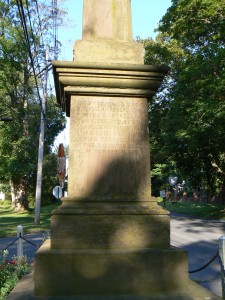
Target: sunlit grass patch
pixel 9 220
pixel 202 210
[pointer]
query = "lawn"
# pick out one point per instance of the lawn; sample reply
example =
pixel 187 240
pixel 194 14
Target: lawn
pixel 9 220
pixel 209 211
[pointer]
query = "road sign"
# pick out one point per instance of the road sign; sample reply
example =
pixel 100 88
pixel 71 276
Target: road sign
pixel 162 193
pixel 57 192
pixel 61 165
pixel 172 180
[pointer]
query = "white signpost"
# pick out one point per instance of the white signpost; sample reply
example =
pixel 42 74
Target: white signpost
pixel 20 241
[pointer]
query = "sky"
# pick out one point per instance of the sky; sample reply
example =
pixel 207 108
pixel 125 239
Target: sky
pixel 146 15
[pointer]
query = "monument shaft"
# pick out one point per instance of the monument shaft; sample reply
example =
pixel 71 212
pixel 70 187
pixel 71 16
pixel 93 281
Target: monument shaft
pixel 114 23
pixel 107 33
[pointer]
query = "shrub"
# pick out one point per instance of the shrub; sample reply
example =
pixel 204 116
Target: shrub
pixel 5 203
pixel 10 272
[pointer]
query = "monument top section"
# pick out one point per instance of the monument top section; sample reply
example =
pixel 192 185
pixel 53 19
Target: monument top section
pixel 107 19
pixel 107 34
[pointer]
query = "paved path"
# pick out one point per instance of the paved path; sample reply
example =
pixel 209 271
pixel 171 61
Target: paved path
pixel 30 246
pixel 198 237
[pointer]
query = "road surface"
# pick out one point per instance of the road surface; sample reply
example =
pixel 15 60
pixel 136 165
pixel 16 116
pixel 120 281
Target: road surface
pixel 201 239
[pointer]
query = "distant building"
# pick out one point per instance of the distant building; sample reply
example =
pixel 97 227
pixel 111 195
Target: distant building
pixel 2 196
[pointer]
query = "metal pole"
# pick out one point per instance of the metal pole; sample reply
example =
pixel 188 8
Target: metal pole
pixel 41 145
pixel 222 262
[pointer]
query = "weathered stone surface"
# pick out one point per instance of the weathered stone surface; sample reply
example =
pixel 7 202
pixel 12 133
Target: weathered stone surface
pixel 99 272
pixel 109 231
pixel 108 51
pixel 104 79
pixel 107 19
pixel 111 157
pixel 107 33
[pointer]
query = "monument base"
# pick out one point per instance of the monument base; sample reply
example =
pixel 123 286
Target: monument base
pixel 107 272
pixel 110 250
pixel 113 225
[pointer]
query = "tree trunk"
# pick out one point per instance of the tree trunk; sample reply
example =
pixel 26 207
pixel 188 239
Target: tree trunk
pixel 24 195
pixel 13 194
pixel 222 195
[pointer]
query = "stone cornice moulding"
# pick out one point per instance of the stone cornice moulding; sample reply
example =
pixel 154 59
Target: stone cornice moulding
pixel 124 80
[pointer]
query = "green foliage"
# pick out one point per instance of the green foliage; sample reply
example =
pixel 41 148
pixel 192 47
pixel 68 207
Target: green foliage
pixel 187 115
pixel 20 100
pixel 5 203
pixel 198 23
pixel 50 179
pixel 18 160
pixel 10 272
pixel 160 174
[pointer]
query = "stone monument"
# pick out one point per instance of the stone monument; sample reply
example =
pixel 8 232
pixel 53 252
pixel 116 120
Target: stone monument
pixel 109 237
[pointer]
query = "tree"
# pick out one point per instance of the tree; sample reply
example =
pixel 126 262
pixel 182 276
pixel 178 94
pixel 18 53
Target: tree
pixel 192 41
pixel 20 60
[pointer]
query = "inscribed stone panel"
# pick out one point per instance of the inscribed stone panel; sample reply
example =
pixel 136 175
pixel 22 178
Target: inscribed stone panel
pixel 111 154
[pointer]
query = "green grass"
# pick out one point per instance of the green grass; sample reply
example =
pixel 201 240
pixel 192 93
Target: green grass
pixel 203 210
pixel 9 220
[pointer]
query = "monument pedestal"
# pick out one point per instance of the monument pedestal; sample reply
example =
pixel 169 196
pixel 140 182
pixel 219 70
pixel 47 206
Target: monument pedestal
pixel 109 248
pixel 109 238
